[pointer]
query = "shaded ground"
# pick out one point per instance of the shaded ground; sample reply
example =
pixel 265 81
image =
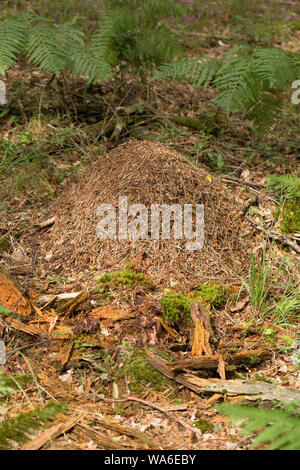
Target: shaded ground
pixel 89 352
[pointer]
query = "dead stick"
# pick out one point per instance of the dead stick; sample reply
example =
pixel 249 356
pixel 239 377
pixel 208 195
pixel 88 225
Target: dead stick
pixel 154 406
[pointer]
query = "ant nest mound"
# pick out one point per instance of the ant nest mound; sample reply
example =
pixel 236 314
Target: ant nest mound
pixel 148 174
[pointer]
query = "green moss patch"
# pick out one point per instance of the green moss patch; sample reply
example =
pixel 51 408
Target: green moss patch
pixel 290 217
pixel 213 294
pixel 124 278
pixel 204 425
pixel 176 307
pixel 140 374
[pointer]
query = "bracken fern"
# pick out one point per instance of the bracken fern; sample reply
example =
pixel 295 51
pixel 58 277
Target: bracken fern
pixel 278 428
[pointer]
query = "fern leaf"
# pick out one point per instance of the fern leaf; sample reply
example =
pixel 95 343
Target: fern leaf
pixel 289 185
pixel 19 429
pixel 276 66
pixel 88 65
pixel 47 47
pixel 237 84
pixel 199 72
pixel 279 428
pixel 9 385
pixel 11 42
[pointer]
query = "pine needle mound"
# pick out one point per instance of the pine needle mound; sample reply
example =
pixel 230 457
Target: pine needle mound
pixel 147 173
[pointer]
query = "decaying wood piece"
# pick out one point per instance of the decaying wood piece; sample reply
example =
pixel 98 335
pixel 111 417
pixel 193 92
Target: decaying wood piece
pixel 99 438
pixel 249 391
pixel 25 327
pixel 70 306
pixel 52 433
pixel 11 295
pixel 253 356
pixel 111 313
pixel 204 362
pixel 290 241
pixel 57 297
pixel 117 426
pixel 199 312
pixel 200 340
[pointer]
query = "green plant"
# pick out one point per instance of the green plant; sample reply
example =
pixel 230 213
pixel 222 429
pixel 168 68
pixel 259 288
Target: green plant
pixel 288 185
pixel 287 308
pixel 10 384
pixel 176 307
pixel 247 79
pixel 289 210
pixel 131 34
pixel 19 429
pixel 261 279
pixel 124 278
pixel 139 373
pixel 213 294
pixel 279 428
pixel 204 425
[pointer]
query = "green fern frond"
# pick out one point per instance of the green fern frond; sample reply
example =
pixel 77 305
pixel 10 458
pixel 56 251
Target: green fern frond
pixel 276 66
pixel 87 64
pixel 247 79
pixel 9 385
pixel 133 33
pixel 153 9
pixel 237 84
pixel 48 46
pixel 20 428
pixel 289 185
pixel 279 428
pixel 11 42
pixel 265 110
pixel 199 72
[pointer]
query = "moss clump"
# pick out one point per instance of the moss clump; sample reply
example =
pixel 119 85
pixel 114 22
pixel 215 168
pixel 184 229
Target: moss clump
pixel 124 278
pixel 203 425
pixel 4 243
pixel 213 294
pixel 176 307
pixel 291 217
pixel 140 374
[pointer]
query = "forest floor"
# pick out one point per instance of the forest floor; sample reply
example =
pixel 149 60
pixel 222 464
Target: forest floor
pixel 97 338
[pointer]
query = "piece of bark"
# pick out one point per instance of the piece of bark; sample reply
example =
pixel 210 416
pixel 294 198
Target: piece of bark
pixel 25 327
pixel 222 368
pixel 200 312
pixel 203 362
pixel 254 356
pixel 52 433
pixel 57 297
pixel 251 357
pixel 117 426
pixel 98 438
pixel 11 296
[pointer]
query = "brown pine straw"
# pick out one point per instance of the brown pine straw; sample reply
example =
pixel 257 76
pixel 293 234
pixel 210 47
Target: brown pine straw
pixel 147 173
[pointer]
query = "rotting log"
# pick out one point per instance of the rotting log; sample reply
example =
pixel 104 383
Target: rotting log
pixel 251 357
pixel 11 296
pixel 250 392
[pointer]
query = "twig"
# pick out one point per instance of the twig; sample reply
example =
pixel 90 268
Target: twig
pixel 155 407
pixel 276 236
